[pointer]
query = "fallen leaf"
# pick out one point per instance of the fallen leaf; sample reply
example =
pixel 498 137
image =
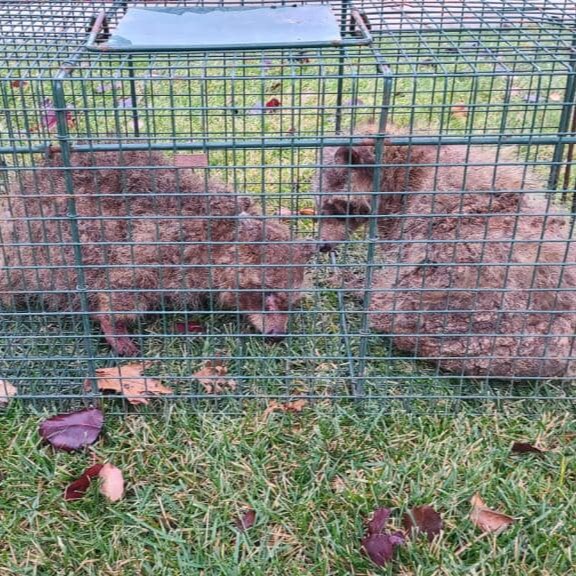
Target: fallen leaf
pixel 128 381
pixel 284 212
pixel 102 88
pixel 486 519
pixel 338 485
pixel 246 520
pixel 380 547
pixel 188 328
pixel 423 519
pixel 293 406
pixel 18 83
pixel 307 212
pixel 459 111
pixel 354 102
pixel 74 430
pixel 272 104
pixel 524 447
pixel 556 97
pixel 276 86
pixel 125 103
pixel 112 485
pixel 213 377
pixel 7 392
pixel 76 490
pixel 532 98
pixel 378 521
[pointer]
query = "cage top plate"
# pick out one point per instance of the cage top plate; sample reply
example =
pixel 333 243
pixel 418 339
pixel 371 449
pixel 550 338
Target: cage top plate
pixel 157 29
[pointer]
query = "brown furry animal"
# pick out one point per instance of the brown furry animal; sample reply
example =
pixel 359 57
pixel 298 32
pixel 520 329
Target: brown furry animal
pixel 478 278
pixel 147 237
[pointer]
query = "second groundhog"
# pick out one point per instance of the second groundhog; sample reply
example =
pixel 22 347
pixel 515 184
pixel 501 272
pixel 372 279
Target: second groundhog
pixel 148 237
pixel 479 271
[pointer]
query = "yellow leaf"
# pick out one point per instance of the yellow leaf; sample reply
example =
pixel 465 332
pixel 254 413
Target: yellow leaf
pixel 7 392
pixel 128 381
pixel 112 485
pixel 486 519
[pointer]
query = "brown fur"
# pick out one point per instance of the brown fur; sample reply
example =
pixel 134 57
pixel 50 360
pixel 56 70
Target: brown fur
pixel 151 236
pixel 503 308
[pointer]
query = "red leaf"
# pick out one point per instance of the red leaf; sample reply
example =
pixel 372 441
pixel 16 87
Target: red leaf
pixel 76 490
pixel 18 83
pixel 188 328
pixel 380 547
pixel 246 520
pixel 378 521
pixel 273 103
pixel 524 447
pixel 74 430
pixel 424 519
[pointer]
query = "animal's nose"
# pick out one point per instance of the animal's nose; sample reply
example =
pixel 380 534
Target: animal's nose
pixel 326 247
pixel 274 336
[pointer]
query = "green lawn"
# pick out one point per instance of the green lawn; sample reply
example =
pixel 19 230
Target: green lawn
pixel 312 479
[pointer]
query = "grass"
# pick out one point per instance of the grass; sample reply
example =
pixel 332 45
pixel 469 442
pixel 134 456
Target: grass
pixel 312 479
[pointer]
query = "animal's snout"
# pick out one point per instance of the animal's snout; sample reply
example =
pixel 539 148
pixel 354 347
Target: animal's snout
pixel 274 336
pixel 326 247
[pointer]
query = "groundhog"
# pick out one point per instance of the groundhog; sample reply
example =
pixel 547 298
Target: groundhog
pixel 148 237
pixel 479 270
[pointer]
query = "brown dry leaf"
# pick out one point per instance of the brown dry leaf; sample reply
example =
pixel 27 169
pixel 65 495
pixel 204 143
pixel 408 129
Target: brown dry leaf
pixel 285 212
pixel 7 392
pixel 488 520
pixel 293 406
pixel 112 485
pixel 213 377
pixel 556 97
pixel 307 212
pixel 338 485
pixel 128 380
pixel 460 111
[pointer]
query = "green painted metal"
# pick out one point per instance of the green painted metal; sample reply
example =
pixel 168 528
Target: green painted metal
pixel 262 110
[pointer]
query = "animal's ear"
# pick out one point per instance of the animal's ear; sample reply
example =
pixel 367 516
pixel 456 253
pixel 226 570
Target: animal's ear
pixel 348 155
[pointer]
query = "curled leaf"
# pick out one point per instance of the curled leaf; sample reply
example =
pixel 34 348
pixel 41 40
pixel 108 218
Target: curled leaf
pixel 524 447
pixel 74 430
pixel 460 111
pixel 307 212
pixel 488 520
pixel 188 328
pixel 125 103
pixel 212 376
pixel 378 521
pixel 246 520
pixel 293 406
pixel 77 489
pixel 112 485
pixel 128 380
pixel 423 519
pixel 102 88
pixel 380 547
pixel 7 392
pixel 272 104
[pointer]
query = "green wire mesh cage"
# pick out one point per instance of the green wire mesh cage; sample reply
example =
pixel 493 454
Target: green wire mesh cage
pixel 361 202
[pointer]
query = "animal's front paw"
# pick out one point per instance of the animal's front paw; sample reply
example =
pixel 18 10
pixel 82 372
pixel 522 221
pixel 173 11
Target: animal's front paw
pixel 123 346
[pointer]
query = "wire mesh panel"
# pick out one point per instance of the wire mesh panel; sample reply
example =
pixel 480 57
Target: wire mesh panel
pixel 388 222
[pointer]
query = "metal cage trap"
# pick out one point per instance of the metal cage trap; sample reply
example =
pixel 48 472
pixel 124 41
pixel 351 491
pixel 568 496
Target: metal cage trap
pixel 315 200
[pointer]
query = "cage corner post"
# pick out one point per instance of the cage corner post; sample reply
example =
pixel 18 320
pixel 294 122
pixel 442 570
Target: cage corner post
pixel 386 73
pixel 63 136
